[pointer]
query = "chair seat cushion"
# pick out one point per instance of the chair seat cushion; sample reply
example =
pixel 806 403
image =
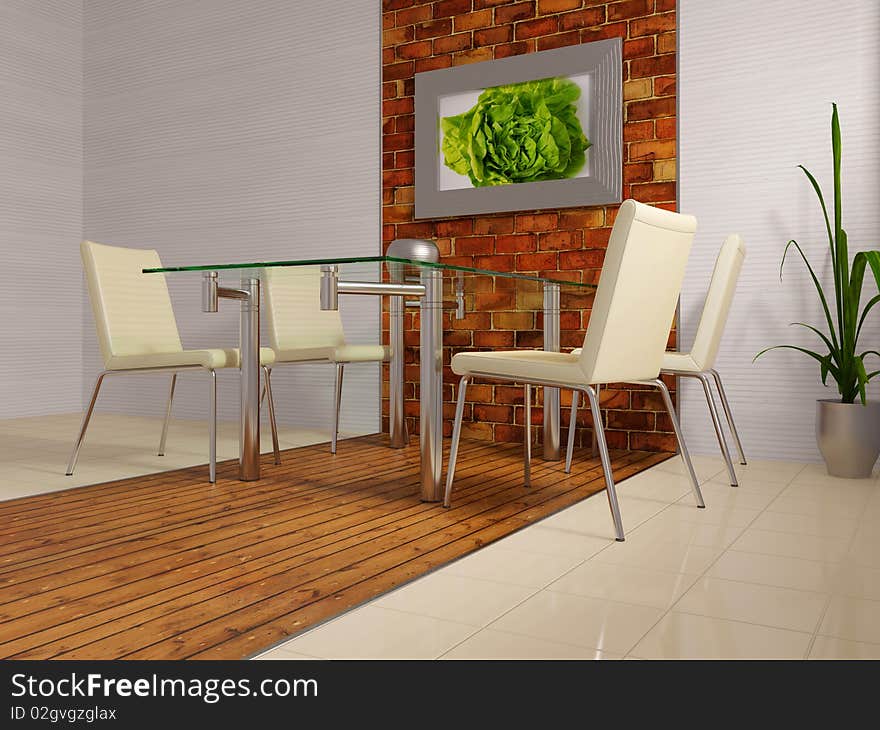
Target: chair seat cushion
pixel 214 359
pixel 557 367
pixel 342 353
pixel 671 361
pixel 360 353
pixel 304 354
pixel 680 361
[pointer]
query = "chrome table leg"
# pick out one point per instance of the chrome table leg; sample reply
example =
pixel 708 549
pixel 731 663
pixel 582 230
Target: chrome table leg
pixel 249 450
pixel 396 418
pixel 431 385
pixel 551 395
pixel 212 427
pixel 527 436
pixel 249 366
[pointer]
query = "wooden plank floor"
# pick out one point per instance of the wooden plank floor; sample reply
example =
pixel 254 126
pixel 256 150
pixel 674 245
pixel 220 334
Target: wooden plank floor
pixel 168 566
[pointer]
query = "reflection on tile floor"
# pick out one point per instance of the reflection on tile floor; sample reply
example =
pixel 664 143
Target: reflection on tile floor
pixel 34 451
pixel 785 566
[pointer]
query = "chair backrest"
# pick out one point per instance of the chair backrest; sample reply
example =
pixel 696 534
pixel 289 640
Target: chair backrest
pixel 638 290
pixel 718 299
pixel 293 310
pixel 132 310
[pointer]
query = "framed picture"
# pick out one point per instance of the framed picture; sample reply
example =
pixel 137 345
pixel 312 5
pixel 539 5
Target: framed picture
pixel 541 130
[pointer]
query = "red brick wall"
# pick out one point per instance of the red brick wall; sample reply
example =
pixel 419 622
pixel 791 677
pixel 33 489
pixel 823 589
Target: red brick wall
pixel 422 36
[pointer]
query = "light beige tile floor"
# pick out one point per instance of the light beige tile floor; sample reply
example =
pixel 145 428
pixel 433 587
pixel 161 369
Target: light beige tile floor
pixel 785 566
pixel 34 451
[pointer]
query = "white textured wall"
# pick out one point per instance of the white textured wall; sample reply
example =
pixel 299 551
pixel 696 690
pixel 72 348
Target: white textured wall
pixel 40 206
pixel 756 82
pixel 232 131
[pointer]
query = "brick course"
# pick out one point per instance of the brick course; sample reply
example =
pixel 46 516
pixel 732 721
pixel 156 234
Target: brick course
pixel 570 242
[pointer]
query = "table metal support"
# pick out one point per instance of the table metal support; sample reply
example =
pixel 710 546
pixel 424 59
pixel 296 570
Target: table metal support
pixel 396 417
pixel 551 395
pixel 332 286
pixel 431 385
pixel 249 452
pixel 249 365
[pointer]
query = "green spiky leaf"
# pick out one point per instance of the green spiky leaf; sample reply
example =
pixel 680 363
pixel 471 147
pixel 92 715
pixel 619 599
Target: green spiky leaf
pixel 844 324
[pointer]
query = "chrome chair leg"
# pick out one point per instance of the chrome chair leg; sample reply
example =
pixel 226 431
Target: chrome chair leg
pixel 71 465
pixel 527 436
pixel 719 431
pixel 572 420
pixel 212 428
pixel 167 415
pixel 686 457
pixel 267 389
pixel 594 445
pixel 729 414
pixel 606 465
pixel 337 399
pixel 456 434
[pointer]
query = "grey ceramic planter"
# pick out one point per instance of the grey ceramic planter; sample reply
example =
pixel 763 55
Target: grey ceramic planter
pixel 848 435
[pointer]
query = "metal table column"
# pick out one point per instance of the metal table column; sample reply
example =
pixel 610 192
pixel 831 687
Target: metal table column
pixel 431 385
pixel 551 395
pixel 249 435
pixel 430 291
pixel 396 417
pixel 249 365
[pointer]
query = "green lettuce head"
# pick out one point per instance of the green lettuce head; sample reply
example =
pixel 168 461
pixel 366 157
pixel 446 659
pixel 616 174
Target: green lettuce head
pixel 517 133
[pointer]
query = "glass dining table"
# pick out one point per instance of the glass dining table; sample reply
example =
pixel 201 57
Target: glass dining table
pixel 524 309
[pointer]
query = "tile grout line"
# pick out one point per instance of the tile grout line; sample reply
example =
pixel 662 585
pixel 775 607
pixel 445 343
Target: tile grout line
pixel 562 575
pixel 833 593
pixel 504 613
pixel 669 609
pixel 666 610
pixel 700 575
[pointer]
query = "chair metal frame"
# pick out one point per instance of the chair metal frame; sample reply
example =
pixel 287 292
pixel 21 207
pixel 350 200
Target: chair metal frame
pixel 212 415
pixel 706 377
pixel 339 372
pixel 699 361
pixel 598 430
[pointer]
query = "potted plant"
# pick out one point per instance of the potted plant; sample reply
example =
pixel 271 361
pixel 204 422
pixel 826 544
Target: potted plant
pixel 848 428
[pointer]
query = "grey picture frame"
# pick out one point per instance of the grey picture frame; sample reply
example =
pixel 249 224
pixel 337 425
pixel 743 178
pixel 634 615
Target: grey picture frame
pixel 602 60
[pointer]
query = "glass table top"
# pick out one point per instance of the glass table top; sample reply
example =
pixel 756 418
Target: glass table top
pixel 371 266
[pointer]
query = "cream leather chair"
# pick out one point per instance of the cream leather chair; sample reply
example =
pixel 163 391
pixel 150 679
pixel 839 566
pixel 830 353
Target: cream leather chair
pixel 301 332
pixel 699 362
pixel 137 333
pixel 629 326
